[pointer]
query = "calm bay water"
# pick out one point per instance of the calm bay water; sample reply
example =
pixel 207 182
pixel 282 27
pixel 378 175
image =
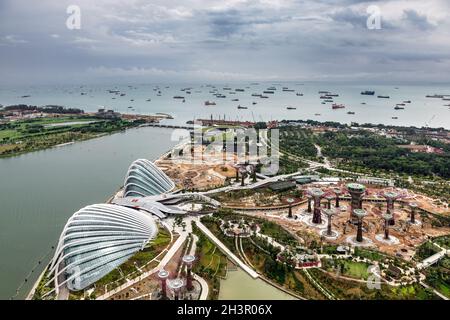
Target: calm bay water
pixel 422 111
pixel 240 286
pixel 39 191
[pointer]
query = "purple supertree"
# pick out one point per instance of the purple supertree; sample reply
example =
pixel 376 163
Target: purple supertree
pixel 357 192
pixel 391 197
pixel 189 260
pixel 317 195
pixel 337 193
pixel 163 275
pixel 359 214
pixel 386 217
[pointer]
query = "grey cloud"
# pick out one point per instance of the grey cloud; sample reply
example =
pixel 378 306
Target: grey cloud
pixel 191 38
pixel 418 20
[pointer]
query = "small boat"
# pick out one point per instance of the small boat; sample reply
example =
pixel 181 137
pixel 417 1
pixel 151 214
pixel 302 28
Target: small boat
pixel 268 92
pixel 363 103
pixel 130 107
pixel 148 99
pixel 184 100
pixel 253 103
pixel 234 99
pixel 394 118
pixel 178 97
pixel 291 108
pixel 337 106
pixel 26 96
pixel 123 94
pixel 264 97
pixel 399 108
pixel 332 95
pixel 239 90
pixel 131 99
pixel 256 95
pixel 288 90
pixel 351 112
pixel 323 92
pixel 210 103
pixel 368 93
pixel 383 97
pixel 407 101
pixel 299 94
pixel 439 96
pixel 400 104
pixel 328 100
pixel 241 107
pixel 317 114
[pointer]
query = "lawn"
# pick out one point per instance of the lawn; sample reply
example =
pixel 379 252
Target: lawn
pixel 355 269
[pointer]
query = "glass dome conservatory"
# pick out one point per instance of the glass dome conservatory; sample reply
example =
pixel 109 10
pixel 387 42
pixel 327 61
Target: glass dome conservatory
pixel 96 240
pixel 146 179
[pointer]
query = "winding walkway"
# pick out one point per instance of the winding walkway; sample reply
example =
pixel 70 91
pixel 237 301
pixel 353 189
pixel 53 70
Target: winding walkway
pixel 227 251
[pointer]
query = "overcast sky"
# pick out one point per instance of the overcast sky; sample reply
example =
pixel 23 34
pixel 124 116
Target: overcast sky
pixel 226 40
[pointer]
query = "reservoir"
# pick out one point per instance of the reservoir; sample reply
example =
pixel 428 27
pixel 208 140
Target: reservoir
pixel 39 191
pixel 240 286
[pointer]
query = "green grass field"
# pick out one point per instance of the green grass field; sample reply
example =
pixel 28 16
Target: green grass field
pixel 355 269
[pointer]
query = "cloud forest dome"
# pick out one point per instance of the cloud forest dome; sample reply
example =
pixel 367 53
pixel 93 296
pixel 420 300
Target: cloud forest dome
pixel 96 240
pixel 146 179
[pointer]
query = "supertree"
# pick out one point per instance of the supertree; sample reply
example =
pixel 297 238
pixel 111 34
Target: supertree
pixel 329 198
pixel 337 193
pixel 391 197
pixel 189 260
pixel 359 214
pixel 386 217
pixel 176 285
pixel 329 212
pixel 357 192
pixel 317 195
pixel 309 197
pixel 413 206
pixel 290 201
pixel 163 275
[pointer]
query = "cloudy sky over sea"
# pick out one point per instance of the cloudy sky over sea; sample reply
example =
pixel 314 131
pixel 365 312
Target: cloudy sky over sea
pixel 224 40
